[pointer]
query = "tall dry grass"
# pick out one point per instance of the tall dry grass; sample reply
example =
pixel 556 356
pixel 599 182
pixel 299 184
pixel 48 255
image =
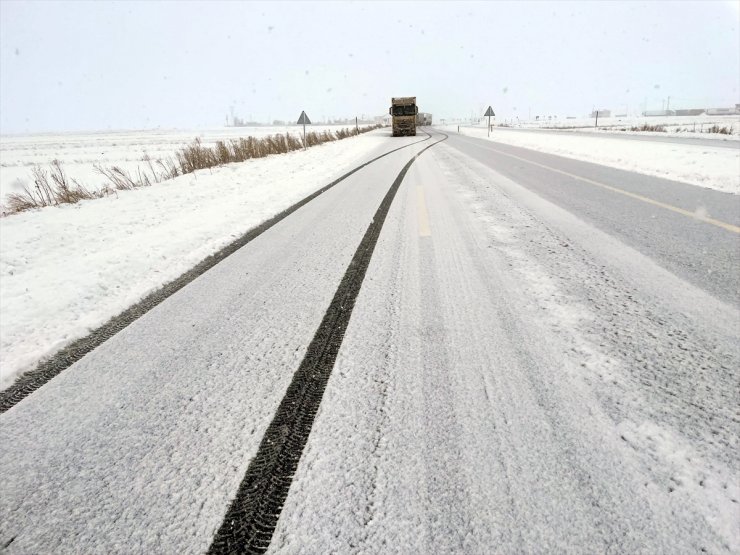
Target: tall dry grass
pixel 649 127
pixel 721 130
pixel 53 187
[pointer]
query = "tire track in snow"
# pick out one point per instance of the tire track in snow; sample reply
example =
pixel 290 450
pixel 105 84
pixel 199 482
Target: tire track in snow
pixel 251 519
pixel 48 369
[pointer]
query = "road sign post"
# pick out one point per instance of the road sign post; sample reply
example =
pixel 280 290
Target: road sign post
pixel 489 113
pixel 303 119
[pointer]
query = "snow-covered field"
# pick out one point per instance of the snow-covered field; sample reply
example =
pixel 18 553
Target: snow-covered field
pixel 79 152
pixel 712 167
pixel 683 125
pixel 65 270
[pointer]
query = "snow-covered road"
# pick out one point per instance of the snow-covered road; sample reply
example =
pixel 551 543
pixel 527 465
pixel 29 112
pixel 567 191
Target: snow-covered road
pixel 514 378
pixel 516 381
pixel 143 442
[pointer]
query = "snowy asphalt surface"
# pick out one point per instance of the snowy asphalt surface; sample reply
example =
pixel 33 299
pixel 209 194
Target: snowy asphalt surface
pixel 532 365
pixel 706 255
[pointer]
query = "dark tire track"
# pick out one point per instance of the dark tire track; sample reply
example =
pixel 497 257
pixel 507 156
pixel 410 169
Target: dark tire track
pixel 251 519
pixel 47 369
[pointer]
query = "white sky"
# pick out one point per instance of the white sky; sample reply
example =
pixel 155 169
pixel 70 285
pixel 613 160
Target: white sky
pixel 126 65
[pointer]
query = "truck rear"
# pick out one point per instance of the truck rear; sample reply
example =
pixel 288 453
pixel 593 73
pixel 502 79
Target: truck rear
pixel 404 110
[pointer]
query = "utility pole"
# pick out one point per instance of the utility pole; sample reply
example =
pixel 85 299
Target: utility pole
pixel 668 106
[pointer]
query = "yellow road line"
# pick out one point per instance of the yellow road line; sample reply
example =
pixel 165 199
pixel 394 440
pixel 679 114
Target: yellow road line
pixel 693 215
pixel 421 205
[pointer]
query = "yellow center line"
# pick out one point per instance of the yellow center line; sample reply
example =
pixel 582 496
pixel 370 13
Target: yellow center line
pixel 693 215
pixel 421 205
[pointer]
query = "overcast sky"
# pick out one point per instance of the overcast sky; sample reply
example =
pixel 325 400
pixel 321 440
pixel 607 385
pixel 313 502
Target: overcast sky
pixel 129 65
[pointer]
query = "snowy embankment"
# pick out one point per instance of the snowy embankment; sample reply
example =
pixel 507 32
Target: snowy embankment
pixel 66 270
pixel 712 167
pixel 128 150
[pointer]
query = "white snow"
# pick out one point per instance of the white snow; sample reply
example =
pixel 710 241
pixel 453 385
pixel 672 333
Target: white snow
pixel 696 478
pixel 707 485
pixel 712 167
pixel 79 152
pixel 686 126
pixel 66 270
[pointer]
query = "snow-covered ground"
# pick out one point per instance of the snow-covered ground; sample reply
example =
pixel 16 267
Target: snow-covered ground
pixel 683 125
pixel 65 270
pixel 680 132
pixel 79 152
pixel 712 167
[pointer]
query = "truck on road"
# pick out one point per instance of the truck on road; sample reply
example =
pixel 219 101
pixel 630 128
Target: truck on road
pixel 423 118
pixel 404 110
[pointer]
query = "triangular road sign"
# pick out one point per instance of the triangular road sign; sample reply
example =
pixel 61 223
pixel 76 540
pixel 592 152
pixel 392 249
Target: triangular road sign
pixel 489 112
pixel 304 119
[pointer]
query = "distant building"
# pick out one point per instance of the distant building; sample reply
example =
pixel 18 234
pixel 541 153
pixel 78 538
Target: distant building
pixel 723 111
pixel 691 112
pixel 656 113
pixel 601 113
